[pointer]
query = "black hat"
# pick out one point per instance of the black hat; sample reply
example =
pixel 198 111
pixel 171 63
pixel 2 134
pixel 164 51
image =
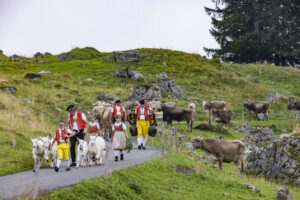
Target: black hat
pixel 142 102
pixel 118 101
pixel 61 121
pixel 70 107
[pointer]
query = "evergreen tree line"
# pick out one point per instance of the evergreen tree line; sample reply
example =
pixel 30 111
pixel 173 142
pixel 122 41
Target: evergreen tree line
pixel 256 30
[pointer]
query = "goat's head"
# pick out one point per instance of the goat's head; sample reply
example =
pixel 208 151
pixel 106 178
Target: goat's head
pixel 80 144
pixel 92 140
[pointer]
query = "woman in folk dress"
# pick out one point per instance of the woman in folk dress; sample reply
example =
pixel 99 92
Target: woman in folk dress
pixel 119 132
pixel 94 129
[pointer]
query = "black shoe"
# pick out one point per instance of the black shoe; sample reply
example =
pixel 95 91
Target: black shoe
pixel 144 148
pixel 116 158
pixel 122 157
pixel 56 169
pixel 68 169
pixel 139 147
pixel 73 164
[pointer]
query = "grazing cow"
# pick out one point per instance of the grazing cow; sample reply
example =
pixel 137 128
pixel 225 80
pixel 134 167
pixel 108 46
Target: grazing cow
pixel 218 105
pixel 222 151
pixel 222 116
pixel 50 155
pixel 169 104
pixel 96 148
pixel 82 150
pixel 257 107
pixel 295 106
pixel 178 114
pixel 103 116
pixel 38 152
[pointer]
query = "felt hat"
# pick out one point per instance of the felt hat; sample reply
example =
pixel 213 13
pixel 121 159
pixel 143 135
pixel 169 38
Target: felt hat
pixel 70 107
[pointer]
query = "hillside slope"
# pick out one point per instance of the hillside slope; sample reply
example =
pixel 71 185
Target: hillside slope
pixel 38 104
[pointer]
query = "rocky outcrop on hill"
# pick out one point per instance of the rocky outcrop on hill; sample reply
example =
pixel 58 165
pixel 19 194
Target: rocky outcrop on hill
pixel 64 56
pixel 275 96
pixel 272 158
pixel 38 55
pixel 33 76
pixel 128 73
pixel 107 97
pixel 126 56
pixel 15 57
pixel 1 52
pixel 283 193
pixel 147 92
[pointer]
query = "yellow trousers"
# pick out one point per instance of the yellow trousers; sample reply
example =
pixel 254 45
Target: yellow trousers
pixel 142 128
pixel 63 151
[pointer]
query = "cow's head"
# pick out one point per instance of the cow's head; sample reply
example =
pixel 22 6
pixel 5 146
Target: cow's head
pixel 92 140
pixel 205 105
pixel 246 105
pixel 197 142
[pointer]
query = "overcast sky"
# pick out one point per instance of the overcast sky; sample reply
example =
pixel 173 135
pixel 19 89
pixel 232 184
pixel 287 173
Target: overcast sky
pixel 55 26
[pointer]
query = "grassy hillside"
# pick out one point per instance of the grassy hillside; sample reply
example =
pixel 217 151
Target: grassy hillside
pixel 199 77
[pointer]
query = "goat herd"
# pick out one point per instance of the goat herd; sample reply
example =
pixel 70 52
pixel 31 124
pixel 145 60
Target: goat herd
pixel 95 149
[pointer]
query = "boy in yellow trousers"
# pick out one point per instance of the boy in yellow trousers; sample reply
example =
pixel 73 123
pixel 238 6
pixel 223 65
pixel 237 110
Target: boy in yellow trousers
pixel 142 115
pixel 61 137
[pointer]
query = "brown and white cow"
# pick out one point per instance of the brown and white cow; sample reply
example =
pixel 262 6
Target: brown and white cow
pixel 222 151
pixel 218 105
pixel 295 106
pixel 222 116
pixel 257 108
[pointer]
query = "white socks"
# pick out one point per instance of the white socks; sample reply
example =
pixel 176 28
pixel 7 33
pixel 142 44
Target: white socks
pixel 58 163
pixel 68 162
pixel 144 141
pixel 116 153
pixel 139 140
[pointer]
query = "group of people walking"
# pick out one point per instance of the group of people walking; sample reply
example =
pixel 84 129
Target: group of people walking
pixel 77 126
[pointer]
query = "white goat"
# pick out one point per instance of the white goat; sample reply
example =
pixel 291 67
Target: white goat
pixel 82 151
pixel 38 151
pixel 96 148
pixel 50 155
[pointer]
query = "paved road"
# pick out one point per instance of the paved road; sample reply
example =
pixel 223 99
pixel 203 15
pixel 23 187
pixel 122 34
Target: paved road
pixel 12 186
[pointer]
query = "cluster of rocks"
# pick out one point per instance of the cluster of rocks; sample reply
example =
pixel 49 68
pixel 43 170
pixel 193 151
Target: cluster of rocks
pixel 15 57
pixel 107 97
pixel 272 158
pixel 33 76
pixel 1 52
pixel 126 56
pixel 64 57
pixel 128 73
pixel 148 92
pixel 8 88
pixel 275 96
pixel 39 55
pixel 154 90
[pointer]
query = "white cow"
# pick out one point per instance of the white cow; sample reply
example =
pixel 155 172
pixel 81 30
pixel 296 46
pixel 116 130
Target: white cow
pixel 82 151
pixel 37 152
pixel 96 148
pixel 50 155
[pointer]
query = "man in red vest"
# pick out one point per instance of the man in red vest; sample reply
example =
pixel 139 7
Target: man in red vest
pixel 117 109
pixel 78 123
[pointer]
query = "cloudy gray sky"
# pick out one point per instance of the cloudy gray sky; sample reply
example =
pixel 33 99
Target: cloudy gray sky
pixel 56 26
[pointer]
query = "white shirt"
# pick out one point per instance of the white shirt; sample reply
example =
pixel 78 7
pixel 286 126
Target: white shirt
pixel 118 124
pixel 192 106
pixel 118 110
pixel 75 126
pixel 95 123
pixel 69 132
pixel 142 113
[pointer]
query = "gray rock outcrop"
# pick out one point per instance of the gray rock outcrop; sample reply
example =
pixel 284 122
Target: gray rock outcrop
pixel 283 193
pixel 272 158
pixel 33 76
pixel 1 52
pixel 170 87
pixel 126 56
pixel 15 57
pixel 107 97
pixel 275 96
pixel 64 56
pixel 147 92
pixel 128 73
pixel 8 88
pixel 38 55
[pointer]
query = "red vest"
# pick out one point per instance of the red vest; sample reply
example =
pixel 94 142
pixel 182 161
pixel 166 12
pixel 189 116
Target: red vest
pixel 79 121
pixel 115 111
pixel 63 135
pixel 146 108
pixel 119 128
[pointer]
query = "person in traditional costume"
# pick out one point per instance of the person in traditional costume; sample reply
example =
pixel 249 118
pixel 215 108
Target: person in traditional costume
pixel 119 132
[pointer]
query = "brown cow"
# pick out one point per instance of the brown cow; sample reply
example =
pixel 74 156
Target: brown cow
pixel 178 114
pixel 295 106
pixel 222 116
pixel 222 151
pixel 218 105
pixel 257 107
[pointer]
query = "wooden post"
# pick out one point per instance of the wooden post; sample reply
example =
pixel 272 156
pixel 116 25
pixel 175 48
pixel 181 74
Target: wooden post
pixel 176 139
pixel 162 139
pixel 35 180
pixel 243 114
pixel 106 161
pixel 170 136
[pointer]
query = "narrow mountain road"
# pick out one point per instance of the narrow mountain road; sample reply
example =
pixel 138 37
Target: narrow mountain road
pixel 15 185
